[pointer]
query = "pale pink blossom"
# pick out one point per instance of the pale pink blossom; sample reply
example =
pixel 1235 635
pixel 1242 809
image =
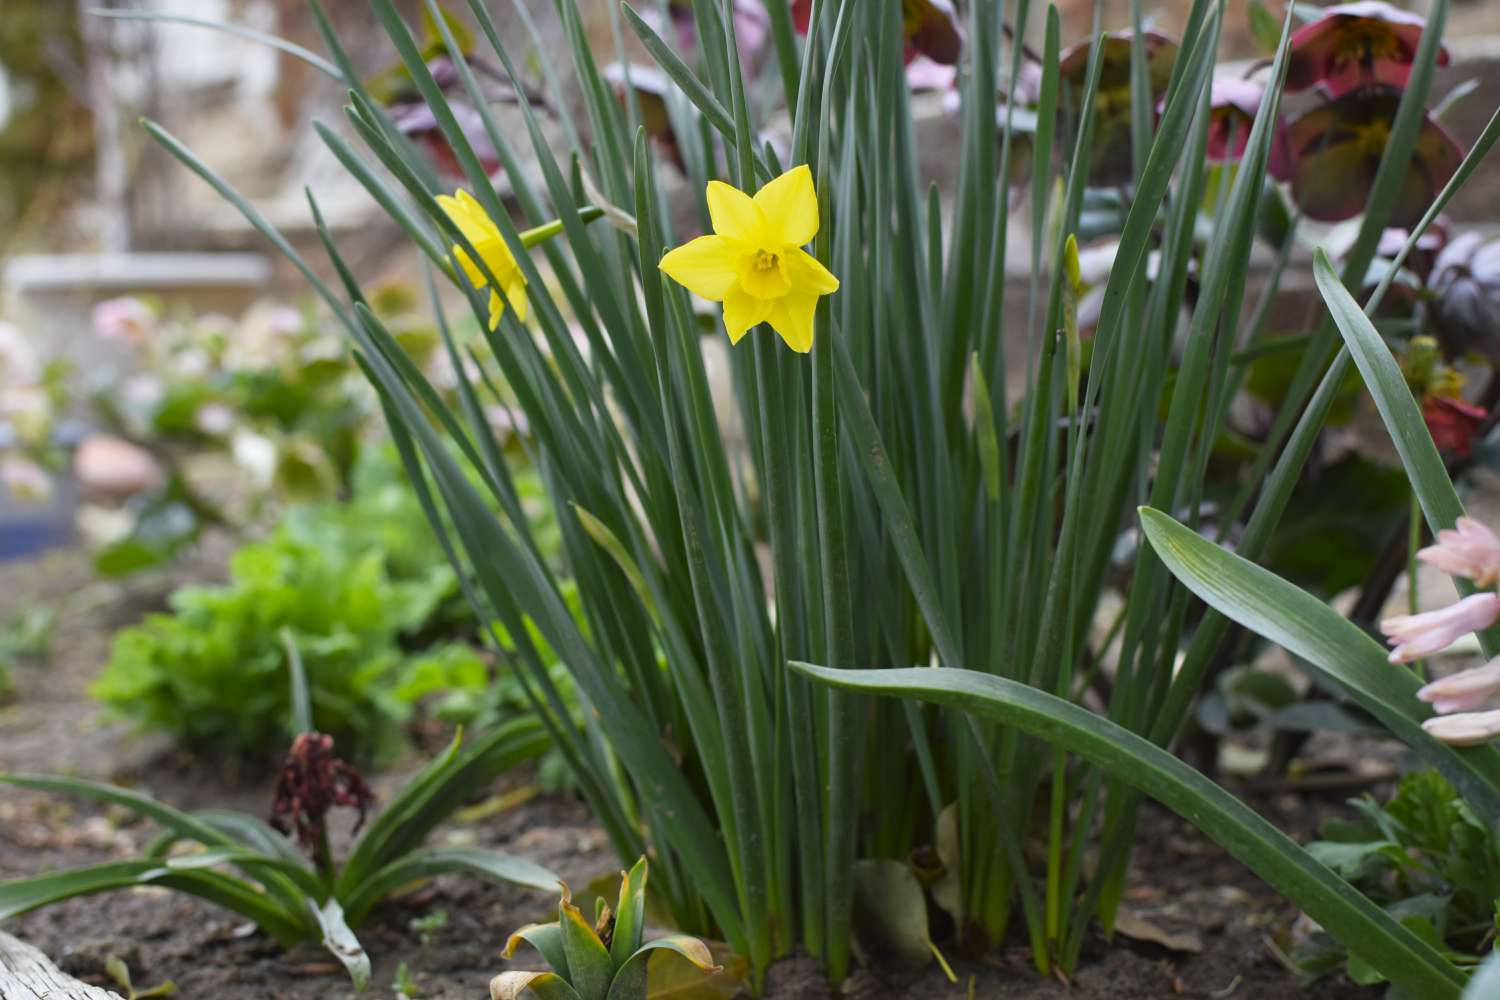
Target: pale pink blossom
pixel 190 363
pixel 126 319
pixel 1465 729
pixel 28 411
pixel 113 468
pixel 1463 691
pixel 1422 635
pixel 143 391
pixel 25 480
pixel 1470 549
pixel 924 74
pixel 214 419
pixel 19 364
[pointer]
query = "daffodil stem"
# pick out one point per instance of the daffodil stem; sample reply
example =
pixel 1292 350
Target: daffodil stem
pixel 547 230
pixel 1414 522
pixel 842 721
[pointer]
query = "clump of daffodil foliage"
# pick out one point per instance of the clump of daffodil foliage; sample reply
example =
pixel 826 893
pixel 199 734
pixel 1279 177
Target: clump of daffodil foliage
pixel 987 361
pixel 606 960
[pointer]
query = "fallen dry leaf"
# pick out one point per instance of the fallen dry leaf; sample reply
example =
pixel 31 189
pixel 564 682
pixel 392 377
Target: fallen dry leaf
pixel 1137 927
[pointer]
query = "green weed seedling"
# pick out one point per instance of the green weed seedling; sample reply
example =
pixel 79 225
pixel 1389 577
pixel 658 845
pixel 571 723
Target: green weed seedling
pixel 606 961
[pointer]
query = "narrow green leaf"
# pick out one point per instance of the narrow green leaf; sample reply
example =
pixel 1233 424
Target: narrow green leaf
pixel 630 914
pixel 1400 413
pixel 590 968
pixel 984 430
pixel 422 864
pixel 302 718
pixel 1335 647
pixel 1340 908
pixel 22 895
pixel 545 938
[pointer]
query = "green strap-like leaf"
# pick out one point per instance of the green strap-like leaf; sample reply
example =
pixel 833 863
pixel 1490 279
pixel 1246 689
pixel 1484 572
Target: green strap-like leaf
pixel 1336 648
pixel 1393 399
pixel 25 894
pixel 590 967
pixel 298 872
pixel 1404 958
pixel 630 982
pixel 251 831
pixel 369 853
pixel 545 938
pixel 479 861
pixel 184 825
pixel 630 915
pixel 1399 411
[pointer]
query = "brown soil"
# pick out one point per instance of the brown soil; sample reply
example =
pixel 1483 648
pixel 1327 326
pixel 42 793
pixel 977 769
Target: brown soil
pixel 1181 882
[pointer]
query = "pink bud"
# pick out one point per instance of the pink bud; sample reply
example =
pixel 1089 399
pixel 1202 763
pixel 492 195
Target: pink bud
pixel 1470 550
pixel 1422 635
pixel 1463 691
pixel 1466 729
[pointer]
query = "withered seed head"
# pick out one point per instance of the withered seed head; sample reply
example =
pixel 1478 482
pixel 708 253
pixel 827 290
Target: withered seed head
pixel 312 782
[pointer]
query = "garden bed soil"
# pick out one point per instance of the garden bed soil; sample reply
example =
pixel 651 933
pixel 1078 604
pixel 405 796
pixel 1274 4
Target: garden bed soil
pixel 1182 885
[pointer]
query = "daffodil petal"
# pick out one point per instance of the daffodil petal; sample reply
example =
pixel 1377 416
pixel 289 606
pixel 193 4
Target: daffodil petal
pixel 790 207
pixel 497 307
pixel 735 215
pixel 807 274
pixel 476 276
pixel 470 218
pixel 792 318
pixel 743 311
pixel 515 292
pixel 705 266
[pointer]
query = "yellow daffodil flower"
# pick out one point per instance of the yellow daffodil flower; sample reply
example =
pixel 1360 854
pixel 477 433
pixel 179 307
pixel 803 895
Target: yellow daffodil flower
pixel 754 262
pixel 480 230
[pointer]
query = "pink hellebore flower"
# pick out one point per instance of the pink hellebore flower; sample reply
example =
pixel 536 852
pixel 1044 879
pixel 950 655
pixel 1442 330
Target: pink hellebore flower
pixel 1465 729
pixel 1463 691
pixel 932 28
pixel 1336 148
pixel 1470 549
pixel 1423 256
pixel 1354 45
pixel 650 86
pixel 1453 424
pixel 925 75
pixel 1110 163
pixel 752 25
pixel 1422 635
pixel 1234 104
